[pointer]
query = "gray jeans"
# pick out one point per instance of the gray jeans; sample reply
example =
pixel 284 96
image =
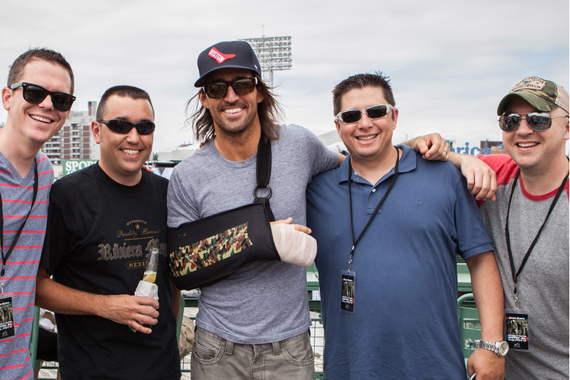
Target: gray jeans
pixel 215 358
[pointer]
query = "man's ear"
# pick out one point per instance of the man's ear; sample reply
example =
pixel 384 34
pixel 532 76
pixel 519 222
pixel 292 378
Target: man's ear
pixel 204 99
pixel 260 96
pixel 6 96
pixel 395 114
pixel 96 130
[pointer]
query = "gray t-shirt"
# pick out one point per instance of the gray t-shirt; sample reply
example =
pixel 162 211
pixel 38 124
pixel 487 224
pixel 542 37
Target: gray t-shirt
pixel 264 301
pixel 543 283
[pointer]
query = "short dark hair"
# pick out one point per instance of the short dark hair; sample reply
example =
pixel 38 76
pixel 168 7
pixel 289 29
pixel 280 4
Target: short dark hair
pixel 359 81
pixel 269 111
pixel 122 91
pixel 17 68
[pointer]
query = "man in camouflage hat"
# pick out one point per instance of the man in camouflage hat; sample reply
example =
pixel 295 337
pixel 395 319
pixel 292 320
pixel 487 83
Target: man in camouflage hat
pixel 529 227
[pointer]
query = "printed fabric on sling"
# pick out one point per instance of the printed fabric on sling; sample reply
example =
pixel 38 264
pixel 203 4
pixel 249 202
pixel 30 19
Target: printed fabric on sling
pixel 210 250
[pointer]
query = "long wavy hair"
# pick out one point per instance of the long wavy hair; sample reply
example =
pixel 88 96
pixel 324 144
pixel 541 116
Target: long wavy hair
pixel 269 111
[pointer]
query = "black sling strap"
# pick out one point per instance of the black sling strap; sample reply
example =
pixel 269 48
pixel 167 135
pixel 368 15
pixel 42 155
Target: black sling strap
pixel 263 170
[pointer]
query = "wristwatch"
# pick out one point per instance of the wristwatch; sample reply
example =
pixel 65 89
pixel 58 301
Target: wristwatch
pixel 499 348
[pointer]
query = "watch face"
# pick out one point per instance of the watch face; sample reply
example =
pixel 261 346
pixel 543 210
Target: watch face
pixel 503 348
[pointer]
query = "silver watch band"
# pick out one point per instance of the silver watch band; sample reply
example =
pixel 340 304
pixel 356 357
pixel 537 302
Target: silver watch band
pixel 499 348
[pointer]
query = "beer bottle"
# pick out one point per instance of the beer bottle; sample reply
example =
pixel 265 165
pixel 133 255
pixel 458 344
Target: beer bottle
pixel 151 266
pixel 147 286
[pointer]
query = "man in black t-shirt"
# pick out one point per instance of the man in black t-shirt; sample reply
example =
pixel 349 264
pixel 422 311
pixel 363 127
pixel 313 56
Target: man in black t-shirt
pixel 103 222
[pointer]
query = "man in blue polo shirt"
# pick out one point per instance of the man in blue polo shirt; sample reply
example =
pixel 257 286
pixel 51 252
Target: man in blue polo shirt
pixel 389 225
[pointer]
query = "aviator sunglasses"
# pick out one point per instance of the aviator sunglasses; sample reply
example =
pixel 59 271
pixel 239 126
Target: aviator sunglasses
pixel 536 121
pixel 36 94
pixel 241 86
pixel 373 112
pixel 124 126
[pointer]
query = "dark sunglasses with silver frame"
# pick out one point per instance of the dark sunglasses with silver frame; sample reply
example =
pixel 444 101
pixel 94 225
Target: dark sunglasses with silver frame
pixel 124 126
pixel 241 86
pixel 537 121
pixel 35 94
pixel 374 112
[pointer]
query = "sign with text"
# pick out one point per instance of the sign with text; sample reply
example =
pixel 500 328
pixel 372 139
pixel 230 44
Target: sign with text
pixel 70 166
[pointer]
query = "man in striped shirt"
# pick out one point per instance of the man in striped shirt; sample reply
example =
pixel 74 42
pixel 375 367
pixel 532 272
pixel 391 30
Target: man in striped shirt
pixel 38 99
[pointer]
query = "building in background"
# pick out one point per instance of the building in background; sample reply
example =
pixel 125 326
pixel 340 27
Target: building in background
pixel 74 141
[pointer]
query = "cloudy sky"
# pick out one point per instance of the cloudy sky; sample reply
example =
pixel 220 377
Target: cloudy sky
pixel 450 61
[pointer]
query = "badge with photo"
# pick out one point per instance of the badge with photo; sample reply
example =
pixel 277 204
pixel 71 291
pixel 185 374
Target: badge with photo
pixel 6 318
pixel 517 329
pixel 347 290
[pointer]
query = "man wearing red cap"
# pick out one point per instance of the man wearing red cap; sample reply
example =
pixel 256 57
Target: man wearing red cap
pixel 529 227
pixel 254 323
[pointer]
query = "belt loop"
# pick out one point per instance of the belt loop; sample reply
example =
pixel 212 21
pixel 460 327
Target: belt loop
pixel 276 348
pixel 229 347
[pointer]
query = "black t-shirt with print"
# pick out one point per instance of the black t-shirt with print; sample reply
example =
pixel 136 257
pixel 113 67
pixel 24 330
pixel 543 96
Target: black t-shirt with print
pixel 98 239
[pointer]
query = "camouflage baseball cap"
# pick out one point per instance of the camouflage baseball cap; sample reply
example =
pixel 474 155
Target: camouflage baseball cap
pixel 540 93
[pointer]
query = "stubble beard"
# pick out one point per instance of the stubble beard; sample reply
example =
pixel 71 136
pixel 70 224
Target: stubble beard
pixel 234 130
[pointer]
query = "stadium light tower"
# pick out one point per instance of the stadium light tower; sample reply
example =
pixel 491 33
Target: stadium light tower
pixel 274 53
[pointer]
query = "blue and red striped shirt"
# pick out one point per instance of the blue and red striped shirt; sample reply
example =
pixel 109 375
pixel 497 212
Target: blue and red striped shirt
pixel 22 265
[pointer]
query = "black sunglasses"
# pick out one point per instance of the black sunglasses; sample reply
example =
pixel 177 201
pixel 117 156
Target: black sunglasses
pixel 373 112
pixel 36 94
pixel 124 126
pixel 241 86
pixel 536 121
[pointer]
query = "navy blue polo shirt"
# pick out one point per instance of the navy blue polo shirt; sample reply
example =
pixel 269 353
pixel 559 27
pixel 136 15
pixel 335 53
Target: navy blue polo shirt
pixel 405 321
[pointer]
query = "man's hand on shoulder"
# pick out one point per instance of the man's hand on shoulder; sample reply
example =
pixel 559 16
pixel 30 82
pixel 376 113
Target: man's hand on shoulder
pixel 481 179
pixel 433 147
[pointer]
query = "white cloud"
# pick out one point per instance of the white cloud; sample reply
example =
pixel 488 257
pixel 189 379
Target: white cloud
pixel 450 61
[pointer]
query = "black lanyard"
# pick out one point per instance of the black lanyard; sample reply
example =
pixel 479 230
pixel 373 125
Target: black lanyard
pixel 17 236
pixel 354 242
pixel 515 274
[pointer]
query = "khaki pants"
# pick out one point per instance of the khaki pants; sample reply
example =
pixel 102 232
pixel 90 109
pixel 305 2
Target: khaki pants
pixel 215 358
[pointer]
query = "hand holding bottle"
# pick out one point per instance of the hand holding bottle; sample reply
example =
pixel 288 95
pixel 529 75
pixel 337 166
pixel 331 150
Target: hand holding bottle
pixel 147 286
